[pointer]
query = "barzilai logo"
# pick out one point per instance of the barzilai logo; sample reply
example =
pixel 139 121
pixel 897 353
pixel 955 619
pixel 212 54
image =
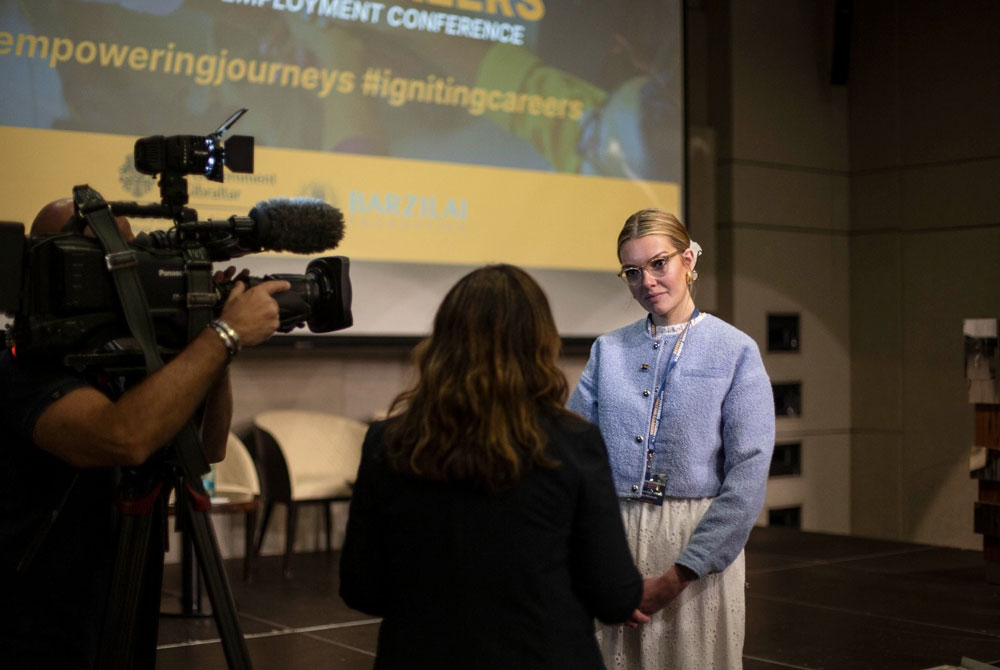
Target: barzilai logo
pixel 135 183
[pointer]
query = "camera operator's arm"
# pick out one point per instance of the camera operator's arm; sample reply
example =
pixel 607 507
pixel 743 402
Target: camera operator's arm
pixel 86 429
pixel 218 415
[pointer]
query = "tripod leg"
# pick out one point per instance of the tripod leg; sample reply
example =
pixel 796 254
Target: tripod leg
pixel 190 580
pixel 207 550
pixel 144 647
pixel 130 624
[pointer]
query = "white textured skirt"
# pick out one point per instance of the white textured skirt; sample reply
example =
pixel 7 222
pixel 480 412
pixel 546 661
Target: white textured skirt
pixel 702 629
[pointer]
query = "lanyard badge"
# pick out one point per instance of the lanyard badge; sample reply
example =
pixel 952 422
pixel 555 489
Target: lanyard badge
pixel 654 485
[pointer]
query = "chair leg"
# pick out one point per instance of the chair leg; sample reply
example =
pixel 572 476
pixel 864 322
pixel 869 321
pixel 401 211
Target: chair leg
pixel 328 516
pixel 263 525
pixel 248 549
pixel 293 510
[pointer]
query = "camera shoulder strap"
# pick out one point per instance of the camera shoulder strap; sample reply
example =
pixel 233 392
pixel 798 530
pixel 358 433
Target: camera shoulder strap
pixel 121 262
pixel 201 296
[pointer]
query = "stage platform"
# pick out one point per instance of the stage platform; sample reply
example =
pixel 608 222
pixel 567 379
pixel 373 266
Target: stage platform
pixel 814 602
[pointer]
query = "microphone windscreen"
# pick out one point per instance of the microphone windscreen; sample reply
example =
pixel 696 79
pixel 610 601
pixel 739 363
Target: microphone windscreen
pixel 299 225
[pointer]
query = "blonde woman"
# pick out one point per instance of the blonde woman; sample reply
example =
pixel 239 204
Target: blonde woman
pixel 686 410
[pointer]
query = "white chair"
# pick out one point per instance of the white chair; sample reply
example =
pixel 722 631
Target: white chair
pixel 237 489
pixel 236 474
pixel 305 458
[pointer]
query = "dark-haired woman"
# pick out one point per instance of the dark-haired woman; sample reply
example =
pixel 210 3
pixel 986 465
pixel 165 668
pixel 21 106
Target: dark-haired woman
pixel 484 527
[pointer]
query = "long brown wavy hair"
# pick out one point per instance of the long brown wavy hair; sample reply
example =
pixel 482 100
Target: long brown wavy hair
pixel 486 376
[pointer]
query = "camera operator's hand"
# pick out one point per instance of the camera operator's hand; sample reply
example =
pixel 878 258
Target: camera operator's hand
pixel 253 313
pixel 226 276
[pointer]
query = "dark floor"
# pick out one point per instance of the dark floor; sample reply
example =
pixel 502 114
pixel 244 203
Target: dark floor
pixel 813 601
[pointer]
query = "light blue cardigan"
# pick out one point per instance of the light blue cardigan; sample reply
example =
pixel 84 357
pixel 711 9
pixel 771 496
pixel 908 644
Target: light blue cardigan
pixel 716 433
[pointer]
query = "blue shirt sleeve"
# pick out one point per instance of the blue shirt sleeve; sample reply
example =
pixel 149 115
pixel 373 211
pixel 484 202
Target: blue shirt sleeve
pixel 748 440
pixel 583 400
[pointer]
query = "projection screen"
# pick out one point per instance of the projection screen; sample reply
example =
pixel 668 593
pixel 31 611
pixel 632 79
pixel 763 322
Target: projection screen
pixel 450 133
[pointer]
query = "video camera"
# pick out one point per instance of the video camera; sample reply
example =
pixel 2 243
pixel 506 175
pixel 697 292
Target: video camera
pixel 59 288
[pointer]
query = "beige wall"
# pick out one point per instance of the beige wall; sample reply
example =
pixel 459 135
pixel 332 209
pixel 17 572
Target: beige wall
pixel 356 381
pixel 784 226
pixel 872 210
pixel 925 211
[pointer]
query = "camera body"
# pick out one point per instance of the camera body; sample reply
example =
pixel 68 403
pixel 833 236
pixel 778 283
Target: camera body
pixel 59 287
pixel 66 301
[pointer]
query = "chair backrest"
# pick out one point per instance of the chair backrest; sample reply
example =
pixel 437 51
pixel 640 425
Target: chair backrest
pixel 236 473
pixel 321 451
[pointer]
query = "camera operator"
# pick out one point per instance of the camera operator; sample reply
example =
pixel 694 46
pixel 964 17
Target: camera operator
pixel 62 434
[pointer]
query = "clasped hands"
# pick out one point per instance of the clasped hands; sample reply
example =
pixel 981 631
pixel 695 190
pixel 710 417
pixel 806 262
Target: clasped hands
pixel 658 592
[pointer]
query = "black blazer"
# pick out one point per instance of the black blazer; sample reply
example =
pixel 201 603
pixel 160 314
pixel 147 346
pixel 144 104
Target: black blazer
pixel 466 578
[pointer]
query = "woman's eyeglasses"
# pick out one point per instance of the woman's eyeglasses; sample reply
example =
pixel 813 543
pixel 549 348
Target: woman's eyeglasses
pixel 656 267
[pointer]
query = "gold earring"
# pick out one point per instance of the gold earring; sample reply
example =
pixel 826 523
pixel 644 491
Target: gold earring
pixel 688 278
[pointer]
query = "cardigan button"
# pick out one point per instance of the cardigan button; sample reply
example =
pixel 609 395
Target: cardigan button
pixel 645 393
pixel 635 487
pixel 656 345
pixel 638 438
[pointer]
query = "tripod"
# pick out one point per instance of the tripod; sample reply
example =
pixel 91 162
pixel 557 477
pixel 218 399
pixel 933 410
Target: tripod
pixel 129 636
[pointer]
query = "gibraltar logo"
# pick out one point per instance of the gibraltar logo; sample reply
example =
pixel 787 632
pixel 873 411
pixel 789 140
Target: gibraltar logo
pixel 133 182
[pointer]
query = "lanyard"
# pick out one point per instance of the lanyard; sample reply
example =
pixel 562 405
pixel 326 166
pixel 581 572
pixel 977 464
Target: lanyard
pixel 654 423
